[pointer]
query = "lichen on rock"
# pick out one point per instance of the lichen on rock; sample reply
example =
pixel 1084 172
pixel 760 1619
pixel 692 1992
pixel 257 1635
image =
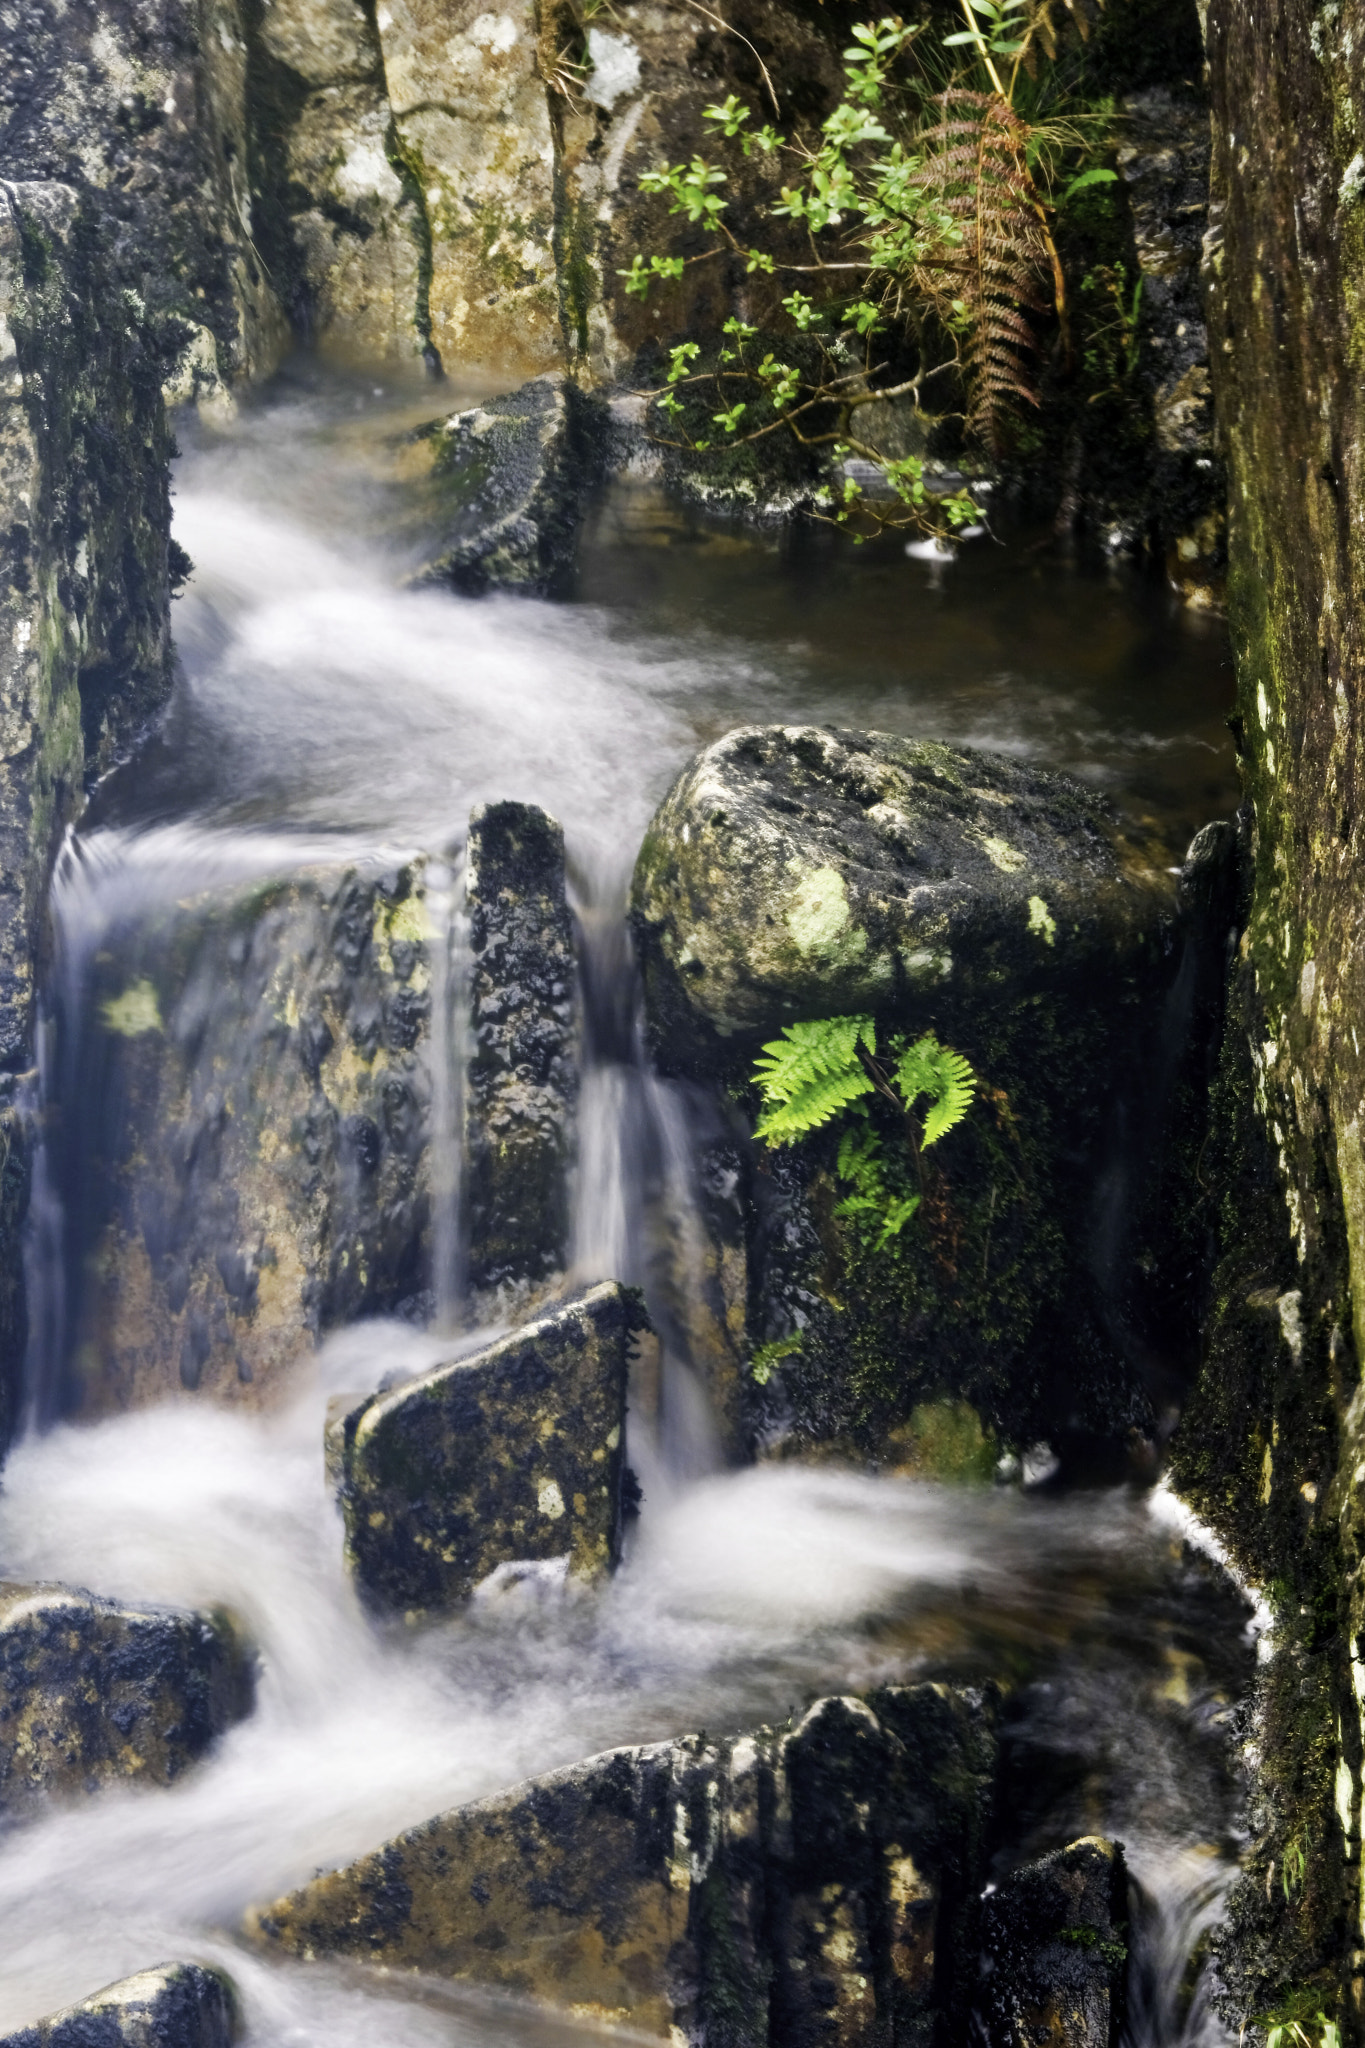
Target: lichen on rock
pixel 521 1083
pixel 91 1690
pixel 796 873
pixel 507 1458
pixel 748 1889
pixel 263 1165
pixel 505 487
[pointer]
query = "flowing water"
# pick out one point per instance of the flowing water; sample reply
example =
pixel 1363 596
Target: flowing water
pixel 324 710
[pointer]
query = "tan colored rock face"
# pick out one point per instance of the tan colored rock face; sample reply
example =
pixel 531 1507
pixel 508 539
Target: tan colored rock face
pixel 91 1690
pixel 473 124
pixel 267 1174
pixel 774 1888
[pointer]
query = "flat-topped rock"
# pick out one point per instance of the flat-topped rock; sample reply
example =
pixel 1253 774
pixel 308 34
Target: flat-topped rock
pixel 510 1458
pixel 780 1886
pixel 174 2005
pixel 796 871
pixel 92 1690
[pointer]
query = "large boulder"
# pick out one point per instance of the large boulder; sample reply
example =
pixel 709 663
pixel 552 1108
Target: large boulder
pixel 504 484
pixel 261 1153
pixel 509 1458
pixel 174 2005
pixel 92 1690
pixel 1052 1274
pixel 794 871
pixel 521 1080
pixel 778 1887
pixel 1054 1941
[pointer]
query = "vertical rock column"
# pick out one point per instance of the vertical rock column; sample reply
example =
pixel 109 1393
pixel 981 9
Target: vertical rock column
pixel 521 1086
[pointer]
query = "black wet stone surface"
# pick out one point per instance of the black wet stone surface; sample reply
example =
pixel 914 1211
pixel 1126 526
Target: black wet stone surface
pixel 511 1458
pixel 91 1690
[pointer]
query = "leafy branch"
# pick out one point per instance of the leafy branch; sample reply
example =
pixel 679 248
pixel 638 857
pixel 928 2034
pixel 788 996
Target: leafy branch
pixel 927 218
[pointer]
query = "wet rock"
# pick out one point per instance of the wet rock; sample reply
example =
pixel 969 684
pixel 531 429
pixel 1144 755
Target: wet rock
pixel 131 102
pixel 92 1690
pixel 84 594
pixel 1054 1943
pixel 261 1152
pixel 783 1887
pixel 175 2005
pixel 794 873
pixel 1164 146
pixel 506 483
pixel 798 872
pixel 84 555
pixel 521 1083
pixel 508 1459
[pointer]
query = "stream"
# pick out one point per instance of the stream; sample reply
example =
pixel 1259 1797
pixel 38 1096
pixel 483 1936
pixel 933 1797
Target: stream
pixel 326 711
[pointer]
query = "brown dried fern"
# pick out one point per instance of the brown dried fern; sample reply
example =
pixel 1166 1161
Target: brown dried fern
pixel 986 272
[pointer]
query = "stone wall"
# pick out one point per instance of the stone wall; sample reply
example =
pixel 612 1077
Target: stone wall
pixel 1271 1450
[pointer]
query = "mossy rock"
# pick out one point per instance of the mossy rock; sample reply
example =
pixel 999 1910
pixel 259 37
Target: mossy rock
pixel 91 1690
pixel 738 1889
pixel 507 1460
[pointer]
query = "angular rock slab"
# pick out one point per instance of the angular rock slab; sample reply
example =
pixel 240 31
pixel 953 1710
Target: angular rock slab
pixel 1054 1939
pixel 91 1690
pixel 521 1085
pixel 506 483
pixel 797 871
pixel 175 2005
pixel 779 1887
pixel 508 1458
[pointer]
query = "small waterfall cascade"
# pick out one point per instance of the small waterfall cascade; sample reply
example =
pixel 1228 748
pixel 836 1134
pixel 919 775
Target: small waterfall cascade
pixel 328 719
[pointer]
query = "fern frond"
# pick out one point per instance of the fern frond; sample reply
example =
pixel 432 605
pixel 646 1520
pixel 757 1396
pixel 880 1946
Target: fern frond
pixel 809 1074
pixel 975 172
pixel 928 1068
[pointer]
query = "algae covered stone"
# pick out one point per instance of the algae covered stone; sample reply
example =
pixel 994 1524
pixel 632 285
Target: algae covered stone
pixel 259 1172
pixel 92 1690
pixel 511 1457
pixel 796 871
pixel 750 1889
pixel 174 2005
pixel 506 485
pixel 1054 1942
pixel 521 1082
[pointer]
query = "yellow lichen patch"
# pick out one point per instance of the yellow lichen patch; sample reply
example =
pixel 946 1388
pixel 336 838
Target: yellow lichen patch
pixel 1002 855
pixel 135 1011
pixel 819 919
pixel 1041 920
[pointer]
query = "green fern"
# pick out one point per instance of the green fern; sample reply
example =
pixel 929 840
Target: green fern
pixel 928 1068
pixel 769 1356
pixel 811 1073
pixel 821 1068
pixel 860 1163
